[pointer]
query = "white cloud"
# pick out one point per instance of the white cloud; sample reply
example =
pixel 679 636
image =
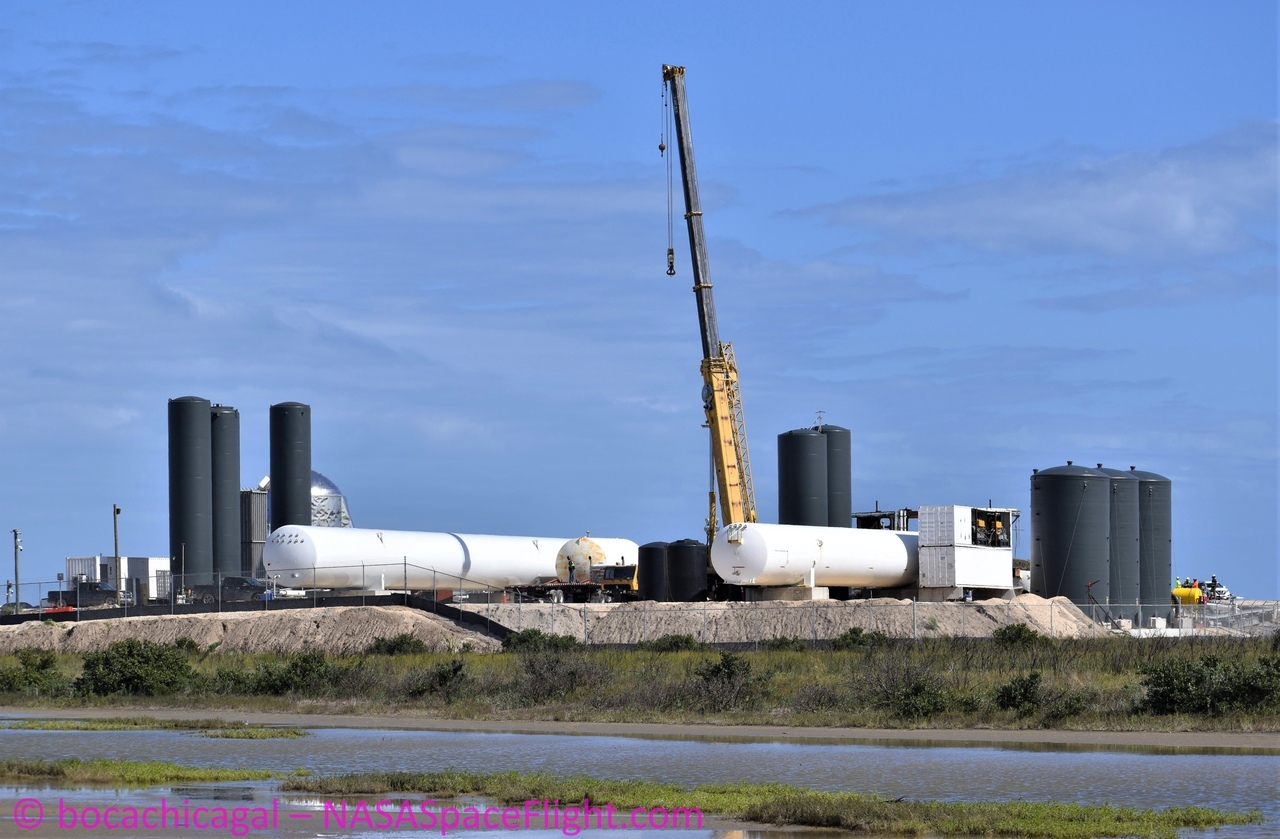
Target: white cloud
pixel 1212 197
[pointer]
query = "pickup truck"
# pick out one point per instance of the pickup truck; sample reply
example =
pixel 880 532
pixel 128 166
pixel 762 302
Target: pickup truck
pixel 90 594
pixel 233 590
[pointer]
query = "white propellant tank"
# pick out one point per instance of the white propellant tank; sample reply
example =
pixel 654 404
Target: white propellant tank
pixel 784 555
pixel 587 552
pixel 347 557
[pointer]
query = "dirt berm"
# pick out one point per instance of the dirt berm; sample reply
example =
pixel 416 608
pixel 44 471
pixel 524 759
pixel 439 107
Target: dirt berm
pixel 332 629
pixel 736 623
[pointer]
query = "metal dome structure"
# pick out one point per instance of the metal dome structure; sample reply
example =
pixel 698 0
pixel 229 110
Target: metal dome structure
pixel 328 504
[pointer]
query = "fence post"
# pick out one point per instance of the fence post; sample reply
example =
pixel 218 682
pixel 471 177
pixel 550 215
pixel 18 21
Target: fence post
pixel 704 622
pixel 915 634
pixel 1051 632
pixel 757 625
pixel 964 633
pixel 584 624
pixel 815 622
pixel 644 621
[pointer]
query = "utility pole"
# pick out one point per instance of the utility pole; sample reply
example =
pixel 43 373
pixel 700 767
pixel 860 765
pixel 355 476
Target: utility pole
pixel 115 528
pixel 17 590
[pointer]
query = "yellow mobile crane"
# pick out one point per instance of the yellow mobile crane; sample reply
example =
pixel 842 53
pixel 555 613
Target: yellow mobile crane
pixel 721 398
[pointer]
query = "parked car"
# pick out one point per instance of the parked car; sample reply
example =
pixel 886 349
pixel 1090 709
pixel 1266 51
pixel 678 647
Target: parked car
pixel 9 608
pixel 233 590
pixel 88 594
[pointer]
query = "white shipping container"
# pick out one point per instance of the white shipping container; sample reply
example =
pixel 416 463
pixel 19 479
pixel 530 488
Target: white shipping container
pixel 149 571
pixel 942 525
pixel 965 566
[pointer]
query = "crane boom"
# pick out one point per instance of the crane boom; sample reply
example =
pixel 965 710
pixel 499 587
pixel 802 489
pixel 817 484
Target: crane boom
pixel 721 397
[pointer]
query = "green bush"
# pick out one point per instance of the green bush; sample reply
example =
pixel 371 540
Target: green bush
pixel 1021 694
pixel 916 697
pixel 305 673
pixel 554 672
pixel 448 679
pixel 673 644
pixel 186 645
pixel 793 645
pixel 1210 686
pixel 406 643
pixel 135 668
pixel 726 682
pixel 536 639
pixel 37 673
pixel 1016 635
pixel 856 638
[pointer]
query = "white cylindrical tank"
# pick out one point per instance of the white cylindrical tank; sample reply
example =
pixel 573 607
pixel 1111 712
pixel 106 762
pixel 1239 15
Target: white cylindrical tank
pixel 333 557
pixel 587 552
pixel 782 555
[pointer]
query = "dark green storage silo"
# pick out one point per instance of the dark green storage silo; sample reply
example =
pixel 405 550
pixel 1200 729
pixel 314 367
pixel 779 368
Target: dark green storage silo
pixel 1124 542
pixel 802 477
pixel 1070 532
pixel 224 436
pixel 839 475
pixel 190 490
pixel 290 488
pixel 1155 539
pixel 687 570
pixel 652 572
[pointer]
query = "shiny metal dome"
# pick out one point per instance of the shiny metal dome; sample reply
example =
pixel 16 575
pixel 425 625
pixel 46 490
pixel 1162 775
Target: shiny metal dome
pixel 320 485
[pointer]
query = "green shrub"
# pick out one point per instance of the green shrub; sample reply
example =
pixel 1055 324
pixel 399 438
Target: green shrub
pixel 1021 694
pixel 726 682
pixel 135 668
pixel 536 639
pixel 916 697
pixel 673 644
pixel 37 673
pixel 1210 686
pixel 186 645
pixel 406 643
pixel 448 679
pixel 793 645
pixel 305 673
pixel 1016 635
pixel 554 672
pixel 852 639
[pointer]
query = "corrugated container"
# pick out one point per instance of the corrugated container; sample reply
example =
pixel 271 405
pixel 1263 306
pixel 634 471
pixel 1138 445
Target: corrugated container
pixel 965 566
pixel 941 526
pixel 88 566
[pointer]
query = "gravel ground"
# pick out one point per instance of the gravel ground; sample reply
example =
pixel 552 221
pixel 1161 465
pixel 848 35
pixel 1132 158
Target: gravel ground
pixel 729 623
pixel 334 629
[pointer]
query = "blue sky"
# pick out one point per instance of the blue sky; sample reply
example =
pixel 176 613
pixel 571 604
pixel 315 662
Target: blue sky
pixel 987 237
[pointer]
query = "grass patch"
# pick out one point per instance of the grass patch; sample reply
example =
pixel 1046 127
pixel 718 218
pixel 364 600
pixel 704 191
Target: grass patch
pixel 786 805
pixel 219 728
pixel 133 773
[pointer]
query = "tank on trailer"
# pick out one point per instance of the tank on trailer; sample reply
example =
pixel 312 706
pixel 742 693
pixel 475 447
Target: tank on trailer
pixel 348 557
pixel 786 555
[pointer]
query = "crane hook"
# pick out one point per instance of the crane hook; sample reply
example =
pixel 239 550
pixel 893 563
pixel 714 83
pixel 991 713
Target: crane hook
pixel 662 148
pixel 671 262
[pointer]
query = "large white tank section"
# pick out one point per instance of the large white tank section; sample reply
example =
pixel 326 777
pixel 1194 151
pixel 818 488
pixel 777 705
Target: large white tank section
pixel 588 552
pixel 348 557
pixel 783 555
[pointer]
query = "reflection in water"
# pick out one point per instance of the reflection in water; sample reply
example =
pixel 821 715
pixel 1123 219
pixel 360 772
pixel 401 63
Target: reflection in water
pixel 953 773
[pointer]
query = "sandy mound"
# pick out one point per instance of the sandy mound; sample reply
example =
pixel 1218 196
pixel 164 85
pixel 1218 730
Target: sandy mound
pixel 334 629
pixel 630 623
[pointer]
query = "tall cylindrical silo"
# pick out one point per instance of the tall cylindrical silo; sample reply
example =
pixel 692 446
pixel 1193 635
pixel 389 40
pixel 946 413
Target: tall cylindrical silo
pixel 687 570
pixel 224 436
pixel 802 478
pixel 652 571
pixel 1070 532
pixel 290 499
pixel 1124 542
pixel 1155 538
pixel 839 475
pixel 190 489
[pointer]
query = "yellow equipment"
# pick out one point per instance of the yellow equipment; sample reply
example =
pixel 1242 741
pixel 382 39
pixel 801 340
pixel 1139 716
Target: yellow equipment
pixel 721 398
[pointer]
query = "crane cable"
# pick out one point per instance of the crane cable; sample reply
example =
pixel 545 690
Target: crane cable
pixel 663 134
